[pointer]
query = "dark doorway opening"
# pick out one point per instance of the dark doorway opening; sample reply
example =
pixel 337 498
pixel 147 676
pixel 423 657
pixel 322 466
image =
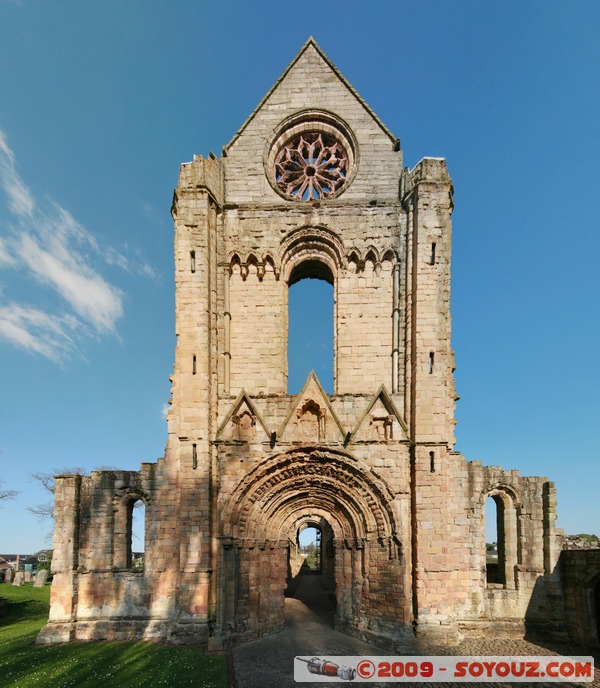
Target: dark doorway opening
pixel 311 570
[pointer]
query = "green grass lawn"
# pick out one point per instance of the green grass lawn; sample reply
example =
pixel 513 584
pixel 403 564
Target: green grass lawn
pixel 83 665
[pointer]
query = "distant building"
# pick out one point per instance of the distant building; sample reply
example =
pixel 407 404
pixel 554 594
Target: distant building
pixel 15 561
pixel 26 562
pixel 4 564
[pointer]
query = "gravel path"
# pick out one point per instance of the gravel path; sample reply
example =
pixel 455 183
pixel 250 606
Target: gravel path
pixel 269 662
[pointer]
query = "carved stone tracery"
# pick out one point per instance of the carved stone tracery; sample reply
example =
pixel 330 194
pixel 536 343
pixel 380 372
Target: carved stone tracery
pixel 311 166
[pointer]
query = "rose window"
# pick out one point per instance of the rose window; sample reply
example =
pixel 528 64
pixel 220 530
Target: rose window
pixel 311 166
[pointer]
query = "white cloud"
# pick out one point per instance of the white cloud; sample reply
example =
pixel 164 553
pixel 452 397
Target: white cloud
pixel 5 257
pixel 45 242
pixel 20 199
pixel 135 266
pixel 36 331
pixel 150 212
pixel 58 264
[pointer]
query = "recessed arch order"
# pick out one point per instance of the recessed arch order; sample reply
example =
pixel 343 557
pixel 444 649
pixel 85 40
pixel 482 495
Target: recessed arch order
pixel 272 499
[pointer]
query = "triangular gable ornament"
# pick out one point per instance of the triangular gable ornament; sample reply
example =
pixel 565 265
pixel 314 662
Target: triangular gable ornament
pixel 311 419
pixel 380 421
pixel 243 422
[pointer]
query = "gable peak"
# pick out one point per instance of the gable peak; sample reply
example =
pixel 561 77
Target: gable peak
pixel 311 46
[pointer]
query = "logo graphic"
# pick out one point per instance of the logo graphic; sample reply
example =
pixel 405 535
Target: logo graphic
pixel 365 668
pixel 324 667
pixel 447 669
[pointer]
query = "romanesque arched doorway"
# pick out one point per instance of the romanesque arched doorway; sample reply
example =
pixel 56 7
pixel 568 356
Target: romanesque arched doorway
pixel 259 525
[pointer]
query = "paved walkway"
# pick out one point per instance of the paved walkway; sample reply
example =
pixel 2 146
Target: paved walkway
pixel 269 662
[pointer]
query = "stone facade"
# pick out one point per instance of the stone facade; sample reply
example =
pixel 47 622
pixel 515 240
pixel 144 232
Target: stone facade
pixel 247 465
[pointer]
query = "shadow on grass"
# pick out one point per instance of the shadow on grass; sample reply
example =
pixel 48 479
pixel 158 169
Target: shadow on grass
pixel 120 664
pixel 23 610
pixel 87 665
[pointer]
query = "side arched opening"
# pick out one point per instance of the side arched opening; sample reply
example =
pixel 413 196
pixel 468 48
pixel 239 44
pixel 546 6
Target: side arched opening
pixel 130 532
pixel 500 528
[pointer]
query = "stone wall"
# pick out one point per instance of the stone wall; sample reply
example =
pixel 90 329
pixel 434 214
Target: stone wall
pixel 364 310
pixel 97 591
pixel 580 571
pixel 258 354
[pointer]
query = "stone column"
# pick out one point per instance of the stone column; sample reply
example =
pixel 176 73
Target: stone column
pixel 192 418
pixel 65 558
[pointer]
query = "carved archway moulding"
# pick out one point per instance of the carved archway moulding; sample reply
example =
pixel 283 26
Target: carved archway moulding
pixel 128 495
pixel 309 245
pixel 333 484
pixel 507 493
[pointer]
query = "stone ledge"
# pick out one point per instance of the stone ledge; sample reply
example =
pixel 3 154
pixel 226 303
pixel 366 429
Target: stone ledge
pixel 155 630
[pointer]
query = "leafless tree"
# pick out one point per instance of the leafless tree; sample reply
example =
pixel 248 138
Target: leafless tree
pixel 45 511
pixel 6 494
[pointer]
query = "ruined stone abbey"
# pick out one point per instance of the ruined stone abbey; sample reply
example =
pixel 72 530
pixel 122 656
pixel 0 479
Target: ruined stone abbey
pixel 311 186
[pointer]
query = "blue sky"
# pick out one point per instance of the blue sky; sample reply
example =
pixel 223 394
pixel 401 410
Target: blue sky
pixel 100 104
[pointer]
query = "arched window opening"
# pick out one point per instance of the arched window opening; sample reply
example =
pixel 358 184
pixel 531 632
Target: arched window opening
pixel 129 534
pixel 137 546
pixel 495 550
pixel 310 325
